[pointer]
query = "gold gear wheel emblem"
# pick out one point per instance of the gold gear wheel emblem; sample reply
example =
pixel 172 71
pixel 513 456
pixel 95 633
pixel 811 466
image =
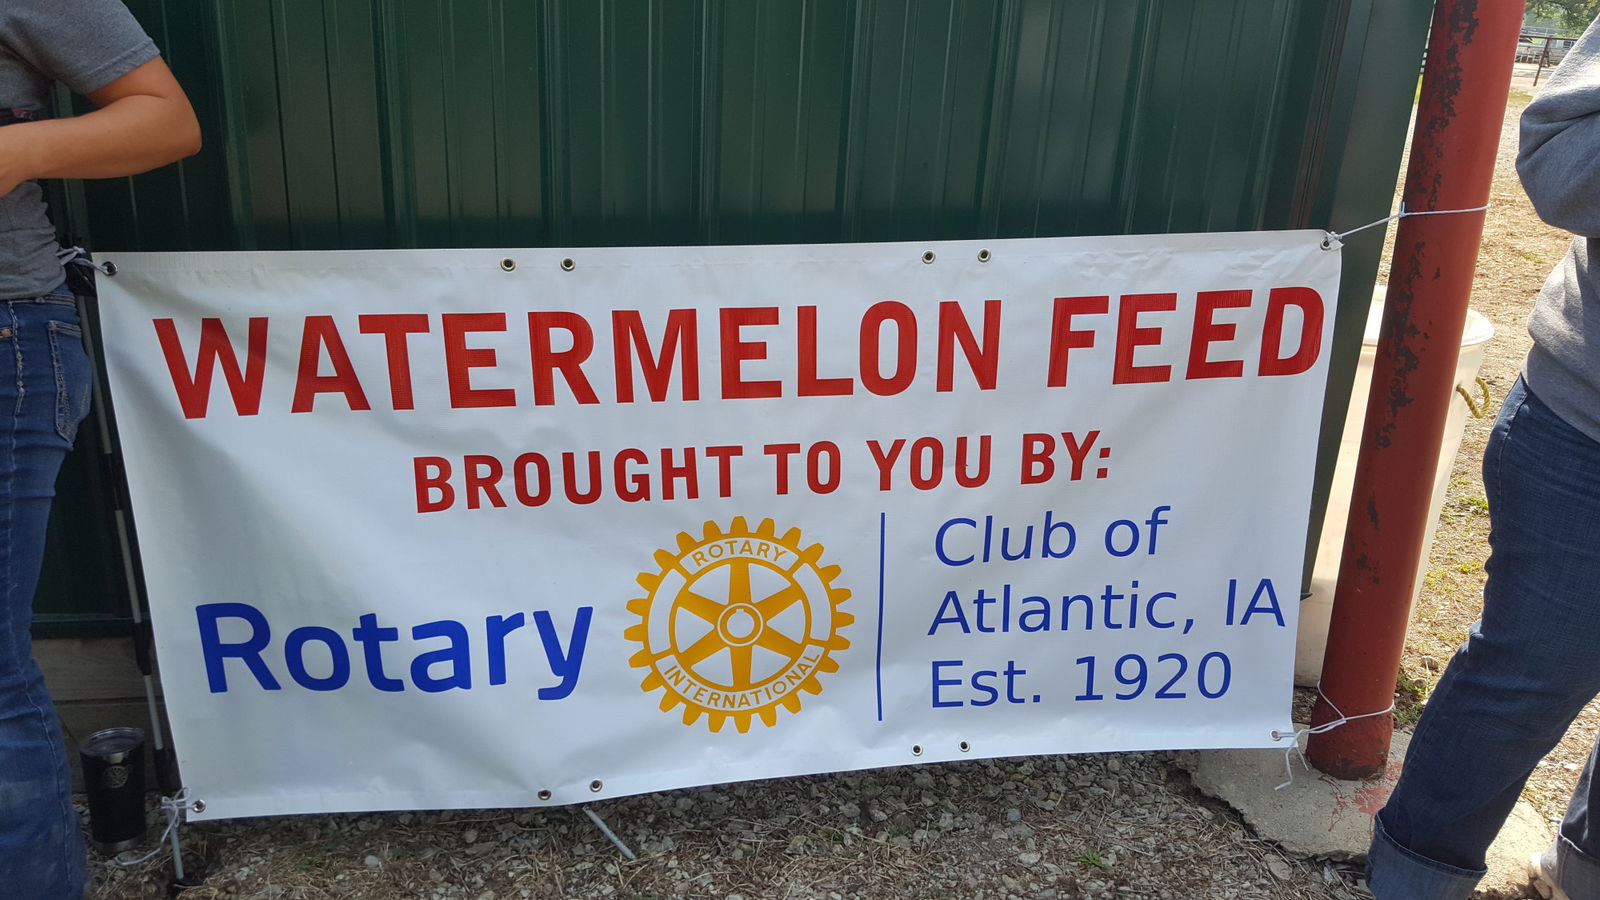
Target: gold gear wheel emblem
pixel 737 623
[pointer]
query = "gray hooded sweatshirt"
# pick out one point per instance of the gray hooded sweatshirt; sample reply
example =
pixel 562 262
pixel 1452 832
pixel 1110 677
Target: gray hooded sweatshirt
pixel 1559 162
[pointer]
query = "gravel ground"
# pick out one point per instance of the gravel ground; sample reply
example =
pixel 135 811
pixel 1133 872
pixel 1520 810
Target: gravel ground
pixel 1113 825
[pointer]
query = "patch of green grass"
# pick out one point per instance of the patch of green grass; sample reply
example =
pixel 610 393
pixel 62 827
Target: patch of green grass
pixel 1534 256
pixel 1476 505
pixel 1519 98
pixel 1090 859
pixel 1406 685
pixel 1409 694
pixel 320 862
pixel 1468 568
pixel 833 834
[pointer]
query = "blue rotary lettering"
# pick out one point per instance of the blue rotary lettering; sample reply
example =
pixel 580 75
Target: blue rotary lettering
pixel 441 653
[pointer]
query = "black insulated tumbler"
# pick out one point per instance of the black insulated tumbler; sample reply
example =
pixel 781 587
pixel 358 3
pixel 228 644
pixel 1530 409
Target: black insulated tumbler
pixel 113 775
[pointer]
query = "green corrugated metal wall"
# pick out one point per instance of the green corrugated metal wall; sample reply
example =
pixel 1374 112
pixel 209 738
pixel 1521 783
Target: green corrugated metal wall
pixel 453 123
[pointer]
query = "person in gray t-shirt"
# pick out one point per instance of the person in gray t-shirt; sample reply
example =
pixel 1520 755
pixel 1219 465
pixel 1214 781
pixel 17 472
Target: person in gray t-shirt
pixel 142 120
pixel 95 48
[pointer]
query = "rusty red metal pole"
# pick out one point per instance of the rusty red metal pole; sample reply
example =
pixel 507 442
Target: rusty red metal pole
pixel 1464 88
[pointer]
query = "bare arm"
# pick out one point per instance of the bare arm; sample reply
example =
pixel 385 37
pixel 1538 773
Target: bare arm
pixel 144 121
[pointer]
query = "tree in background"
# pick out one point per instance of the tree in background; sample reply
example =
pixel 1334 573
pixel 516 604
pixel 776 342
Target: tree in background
pixel 1573 15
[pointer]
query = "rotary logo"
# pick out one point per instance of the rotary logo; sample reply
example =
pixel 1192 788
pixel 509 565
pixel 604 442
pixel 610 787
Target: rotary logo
pixel 737 623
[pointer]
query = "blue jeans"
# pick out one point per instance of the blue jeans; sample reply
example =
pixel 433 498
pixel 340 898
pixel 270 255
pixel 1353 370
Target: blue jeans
pixel 44 394
pixel 1526 671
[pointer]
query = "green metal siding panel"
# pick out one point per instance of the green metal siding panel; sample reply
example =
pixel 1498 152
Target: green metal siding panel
pixel 1347 179
pixel 439 123
pixel 363 123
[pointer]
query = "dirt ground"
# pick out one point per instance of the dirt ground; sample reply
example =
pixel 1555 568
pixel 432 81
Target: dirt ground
pixel 1111 825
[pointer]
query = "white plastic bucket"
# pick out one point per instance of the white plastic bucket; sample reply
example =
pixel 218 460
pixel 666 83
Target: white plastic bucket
pixel 1316 609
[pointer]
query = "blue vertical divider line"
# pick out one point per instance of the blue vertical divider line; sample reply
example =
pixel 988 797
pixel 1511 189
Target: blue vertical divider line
pixel 883 521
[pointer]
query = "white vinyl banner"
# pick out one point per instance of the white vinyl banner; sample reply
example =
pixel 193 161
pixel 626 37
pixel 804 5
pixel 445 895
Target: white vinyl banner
pixel 474 528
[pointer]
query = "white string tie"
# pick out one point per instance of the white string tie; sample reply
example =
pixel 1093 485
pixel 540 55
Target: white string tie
pixel 1337 237
pixel 77 256
pixel 173 807
pixel 1294 739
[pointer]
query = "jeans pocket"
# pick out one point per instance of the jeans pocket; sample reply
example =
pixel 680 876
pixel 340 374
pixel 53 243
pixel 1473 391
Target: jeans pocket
pixel 72 372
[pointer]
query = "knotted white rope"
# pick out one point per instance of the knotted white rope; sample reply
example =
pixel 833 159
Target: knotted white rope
pixel 77 256
pixel 1294 739
pixel 173 807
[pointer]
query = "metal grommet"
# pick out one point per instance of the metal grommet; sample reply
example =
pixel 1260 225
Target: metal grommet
pixel 596 785
pixel 1327 243
pixel 927 256
pixel 545 794
pixel 508 264
pixel 110 268
pixel 916 749
pixel 983 256
pixel 1276 736
pixel 198 806
pixel 964 746
pixel 568 264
